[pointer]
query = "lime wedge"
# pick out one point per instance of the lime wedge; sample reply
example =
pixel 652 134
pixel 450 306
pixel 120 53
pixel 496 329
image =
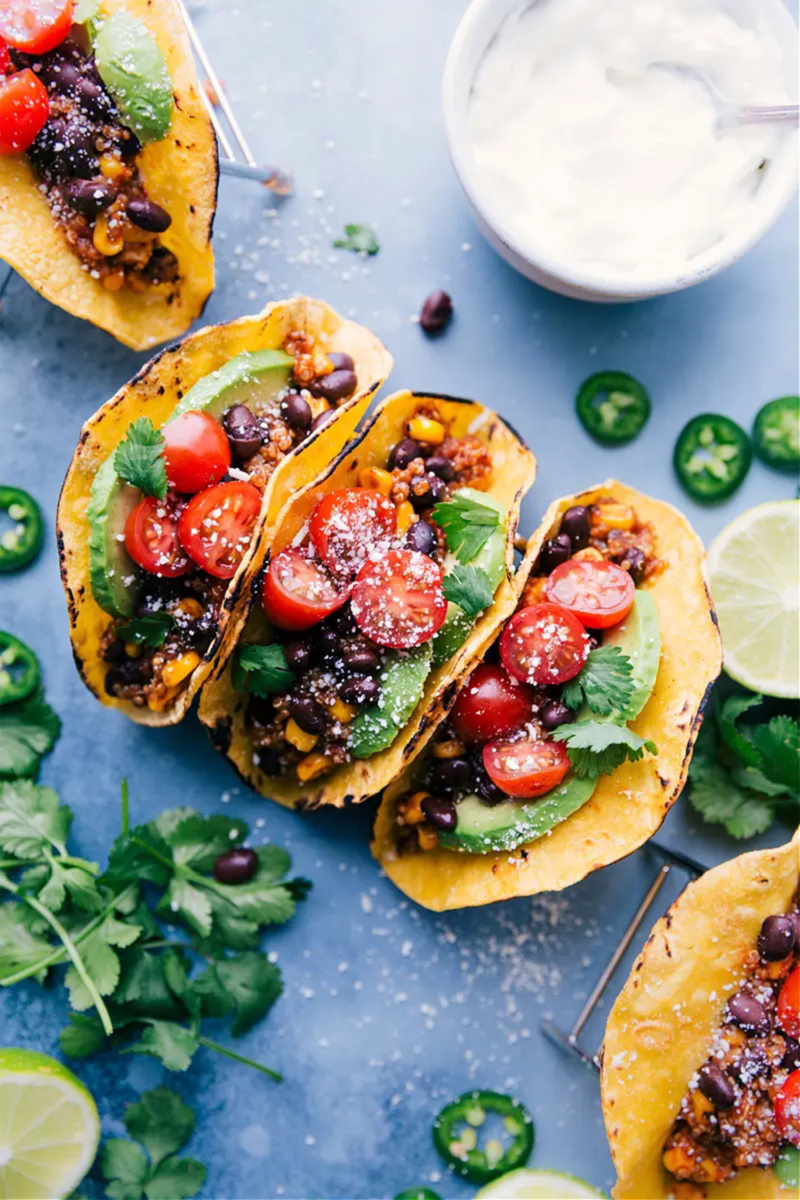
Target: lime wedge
pixel 528 1184
pixel 755 581
pixel 49 1127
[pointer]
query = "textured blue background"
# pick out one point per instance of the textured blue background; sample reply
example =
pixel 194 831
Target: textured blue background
pixel 388 1010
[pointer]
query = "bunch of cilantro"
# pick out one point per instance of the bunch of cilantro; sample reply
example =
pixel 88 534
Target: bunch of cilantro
pixel 744 774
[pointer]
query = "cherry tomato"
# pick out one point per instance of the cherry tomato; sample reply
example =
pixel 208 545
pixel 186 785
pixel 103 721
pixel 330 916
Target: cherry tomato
pixel 217 525
pixel 398 601
pixel 544 644
pixel 525 768
pixel 298 592
pixel 151 536
pixel 787 1109
pixel 789 1005
pixel 197 452
pixel 598 593
pixel 35 26
pixel 490 704
pixel 351 525
pixel 5 61
pixel 24 108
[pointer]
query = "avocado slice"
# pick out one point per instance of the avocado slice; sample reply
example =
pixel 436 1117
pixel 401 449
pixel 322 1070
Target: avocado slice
pixel 250 378
pixel 639 636
pixel 134 70
pixel 402 684
pixel 111 571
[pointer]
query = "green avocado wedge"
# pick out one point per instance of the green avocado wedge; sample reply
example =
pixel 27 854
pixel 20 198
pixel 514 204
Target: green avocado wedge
pixel 402 685
pixel 639 636
pixel 111 571
pixel 249 378
pixel 136 74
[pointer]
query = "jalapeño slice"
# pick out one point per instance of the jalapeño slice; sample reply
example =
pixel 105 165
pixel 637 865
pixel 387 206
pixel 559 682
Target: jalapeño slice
pixel 420 1193
pixel 712 456
pixel 20 543
pixel 19 669
pixel 456 1132
pixel 776 433
pixel 613 407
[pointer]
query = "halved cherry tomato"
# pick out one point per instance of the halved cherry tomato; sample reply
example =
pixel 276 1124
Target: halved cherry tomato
pixel 490 704
pixel 351 525
pixel 787 1109
pixel 197 452
pixel 217 525
pixel 298 592
pixel 544 644
pixel 35 26
pixel 789 1005
pixel 24 108
pixel 598 593
pixel 525 768
pixel 151 536
pixel 5 61
pixel 398 601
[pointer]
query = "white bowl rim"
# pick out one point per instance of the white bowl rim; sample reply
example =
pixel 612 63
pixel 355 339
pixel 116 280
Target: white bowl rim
pixel 606 282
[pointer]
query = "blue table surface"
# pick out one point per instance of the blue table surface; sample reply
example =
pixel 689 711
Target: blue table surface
pixel 389 1010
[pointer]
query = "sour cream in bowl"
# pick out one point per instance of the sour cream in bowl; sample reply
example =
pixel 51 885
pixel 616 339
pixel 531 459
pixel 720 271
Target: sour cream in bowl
pixel 599 172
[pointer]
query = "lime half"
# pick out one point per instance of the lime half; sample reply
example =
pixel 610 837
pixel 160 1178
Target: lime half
pixel 754 567
pixel 49 1127
pixel 528 1184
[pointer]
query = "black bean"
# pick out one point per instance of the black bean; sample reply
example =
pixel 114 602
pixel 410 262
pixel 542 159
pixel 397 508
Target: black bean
pixel 791 1055
pixel 296 411
pixel 746 1012
pixel 486 789
pixel 554 552
pixel 92 99
pixel 450 774
pixel 403 453
pixel 199 633
pixel 343 622
pixel 61 77
pixel 115 651
pixel 361 659
pixel 88 196
pixel 77 155
pixel 420 536
pixel 236 865
pixel 328 644
pixel 130 673
pixel 633 561
pixel 321 419
pixel 776 939
pixel 148 215
pixel 716 1086
pixel 576 524
pixel 360 689
pixel 441 466
pixel 309 714
pixel 299 654
pixel 42 151
pixel 243 430
pixel 440 811
pixel 436 312
pixel 425 491
pixel 269 760
pixel 553 713
pixel 341 361
pixel 336 386
pixel 129 146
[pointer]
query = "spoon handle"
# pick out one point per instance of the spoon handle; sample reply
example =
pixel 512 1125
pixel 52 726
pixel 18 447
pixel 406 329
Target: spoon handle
pixel 774 114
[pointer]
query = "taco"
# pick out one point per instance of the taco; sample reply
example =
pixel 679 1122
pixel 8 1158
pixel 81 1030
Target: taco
pixel 381 576
pixel 567 745
pixel 701 1058
pixel 178 479
pixel 108 163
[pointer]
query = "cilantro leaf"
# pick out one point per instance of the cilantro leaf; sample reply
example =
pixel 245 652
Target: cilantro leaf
pixel 28 730
pixel 753 779
pixel 140 458
pixel 21 946
pixel 76 882
pixel 470 588
pixel 173 1044
pixel 248 984
pixel 197 841
pixel 83 1036
pixel 263 670
pixel 149 630
pixel 779 744
pixel 175 1179
pixel 718 800
pixel 599 747
pixel 360 239
pixel 32 820
pixel 467 525
pixel 124 1165
pixel 605 682
pixel 738 741
pixel 161 1122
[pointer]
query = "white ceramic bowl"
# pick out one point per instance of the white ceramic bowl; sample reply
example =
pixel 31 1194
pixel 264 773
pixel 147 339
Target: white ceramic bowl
pixel 530 255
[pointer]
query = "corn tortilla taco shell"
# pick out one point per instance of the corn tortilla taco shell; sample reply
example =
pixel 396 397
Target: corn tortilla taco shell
pixel 223 709
pixel 663 1022
pixel 181 173
pixel 154 393
pixel 627 807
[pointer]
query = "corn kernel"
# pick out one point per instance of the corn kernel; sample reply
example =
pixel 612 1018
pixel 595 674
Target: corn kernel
pixel 411 810
pixel 112 167
pixel 312 766
pixel 428 838
pixel 425 429
pixel 133 651
pixel 449 749
pixel 106 240
pixel 613 516
pixel 156 702
pixel 188 607
pixel 588 555
pixel 377 478
pixel 405 516
pixel 114 281
pixel 135 236
pixel 342 712
pixel 298 737
pixel 701 1104
pixel 180 668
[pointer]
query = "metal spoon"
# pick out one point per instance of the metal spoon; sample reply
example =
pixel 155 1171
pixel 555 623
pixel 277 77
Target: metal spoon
pixel 729 113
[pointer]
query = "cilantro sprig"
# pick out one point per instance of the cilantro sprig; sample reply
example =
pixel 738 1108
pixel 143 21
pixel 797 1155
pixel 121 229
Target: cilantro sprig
pixel 605 683
pixel 28 730
pixel 146 1164
pixel 140 458
pixel 599 747
pixel 467 525
pixel 149 630
pixel 468 587
pixel 360 238
pixel 263 670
